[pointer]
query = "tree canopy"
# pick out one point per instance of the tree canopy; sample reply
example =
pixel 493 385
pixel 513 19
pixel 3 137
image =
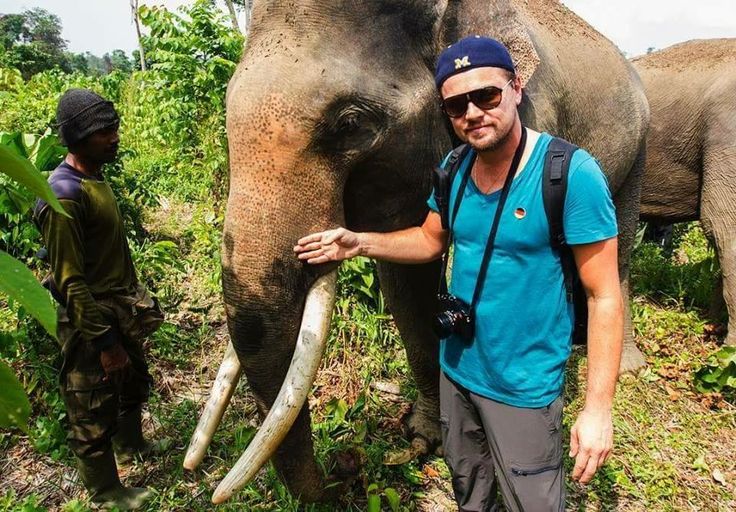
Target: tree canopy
pixel 31 42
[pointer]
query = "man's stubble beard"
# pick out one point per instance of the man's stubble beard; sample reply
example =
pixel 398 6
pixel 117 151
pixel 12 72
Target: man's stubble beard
pixel 494 143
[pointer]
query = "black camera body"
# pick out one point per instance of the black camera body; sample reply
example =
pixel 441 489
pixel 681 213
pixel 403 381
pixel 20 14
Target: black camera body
pixel 454 317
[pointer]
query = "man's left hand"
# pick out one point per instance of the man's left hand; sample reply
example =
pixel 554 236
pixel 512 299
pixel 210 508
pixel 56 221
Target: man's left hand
pixel 591 441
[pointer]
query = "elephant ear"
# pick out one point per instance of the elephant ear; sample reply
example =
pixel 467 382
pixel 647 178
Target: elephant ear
pixel 500 20
pixel 522 50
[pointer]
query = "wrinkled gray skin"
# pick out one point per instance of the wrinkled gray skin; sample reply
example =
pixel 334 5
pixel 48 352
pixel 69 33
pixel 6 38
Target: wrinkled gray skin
pixel 332 119
pixel 691 146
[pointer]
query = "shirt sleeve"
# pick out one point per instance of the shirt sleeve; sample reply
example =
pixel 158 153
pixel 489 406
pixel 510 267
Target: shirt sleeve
pixel 64 242
pixel 589 214
pixel 432 203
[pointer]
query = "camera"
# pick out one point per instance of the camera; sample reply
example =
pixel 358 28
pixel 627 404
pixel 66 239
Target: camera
pixel 454 317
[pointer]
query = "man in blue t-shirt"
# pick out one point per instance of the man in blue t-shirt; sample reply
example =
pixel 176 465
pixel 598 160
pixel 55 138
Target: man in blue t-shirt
pixel 501 392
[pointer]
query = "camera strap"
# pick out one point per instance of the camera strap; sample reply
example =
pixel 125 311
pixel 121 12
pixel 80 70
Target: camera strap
pixel 494 227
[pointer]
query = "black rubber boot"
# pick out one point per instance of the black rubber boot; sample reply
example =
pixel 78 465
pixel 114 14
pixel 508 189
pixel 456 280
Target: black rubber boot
pixel 100 476
pixel 129 442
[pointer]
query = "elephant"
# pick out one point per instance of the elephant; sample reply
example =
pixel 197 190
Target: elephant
pixel 690 171
pixel 333 119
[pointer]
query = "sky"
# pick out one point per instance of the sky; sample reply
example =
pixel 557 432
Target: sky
pixel 99 26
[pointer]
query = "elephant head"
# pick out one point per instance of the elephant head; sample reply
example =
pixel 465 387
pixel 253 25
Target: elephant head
pixel 333 119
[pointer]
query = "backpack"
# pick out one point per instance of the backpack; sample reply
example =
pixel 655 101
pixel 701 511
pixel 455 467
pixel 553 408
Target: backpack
pixel 554 188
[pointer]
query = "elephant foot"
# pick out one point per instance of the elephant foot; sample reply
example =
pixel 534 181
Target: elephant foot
pixel 313 492
pixel 422 424
pixel 417 448
pixel 632 360
pixel 346 463
pixel 422 427
pixel 301 474
pixel 310 486
pixel 346 466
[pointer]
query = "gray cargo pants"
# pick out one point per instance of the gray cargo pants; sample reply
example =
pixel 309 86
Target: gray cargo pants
pixel 489 445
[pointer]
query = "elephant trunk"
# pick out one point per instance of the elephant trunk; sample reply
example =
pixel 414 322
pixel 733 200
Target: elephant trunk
pixel 299 379
pixel 281 189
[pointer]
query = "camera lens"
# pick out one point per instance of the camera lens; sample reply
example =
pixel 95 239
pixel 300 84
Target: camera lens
pixel 444 324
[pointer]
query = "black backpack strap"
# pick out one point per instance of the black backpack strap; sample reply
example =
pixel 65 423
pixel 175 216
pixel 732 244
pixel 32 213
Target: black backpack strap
pixel 443 183
pixel 453 165
pixel 443 188
pixel 554 189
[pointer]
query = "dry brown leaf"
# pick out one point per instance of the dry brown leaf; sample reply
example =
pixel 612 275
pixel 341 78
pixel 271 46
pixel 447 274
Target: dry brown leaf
pixel 430 472
pixel 673 394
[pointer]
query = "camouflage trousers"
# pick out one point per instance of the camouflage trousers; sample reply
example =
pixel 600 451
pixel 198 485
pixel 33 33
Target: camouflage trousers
pixel 94 404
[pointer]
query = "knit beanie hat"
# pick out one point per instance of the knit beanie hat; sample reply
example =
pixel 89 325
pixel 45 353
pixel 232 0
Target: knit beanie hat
pixel 82 112
pixel 472 52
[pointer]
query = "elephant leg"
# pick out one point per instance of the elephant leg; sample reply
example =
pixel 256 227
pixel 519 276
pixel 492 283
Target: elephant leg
pixel 411 293
pixel 627 216
pixel 718 209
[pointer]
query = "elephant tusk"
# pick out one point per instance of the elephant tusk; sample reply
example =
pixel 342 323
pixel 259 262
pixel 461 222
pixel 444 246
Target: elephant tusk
pixel 222 390
pixel 310 346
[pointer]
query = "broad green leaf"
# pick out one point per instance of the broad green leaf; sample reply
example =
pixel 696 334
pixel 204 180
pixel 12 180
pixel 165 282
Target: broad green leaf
pixel 29 141
pixel 46 152
pixel 393 498
pixel 21 285
pixel 22 171
pixel 357 407
pixel 726 355
pixel 710 376
pixel 14 141
pixel 22 203
pixel 14 406
pixel 374 503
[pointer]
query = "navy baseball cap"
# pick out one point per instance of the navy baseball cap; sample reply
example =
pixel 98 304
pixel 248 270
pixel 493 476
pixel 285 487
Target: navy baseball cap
pixel 472 52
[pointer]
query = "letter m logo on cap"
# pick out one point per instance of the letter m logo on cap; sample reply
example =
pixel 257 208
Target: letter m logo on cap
pixel 462 63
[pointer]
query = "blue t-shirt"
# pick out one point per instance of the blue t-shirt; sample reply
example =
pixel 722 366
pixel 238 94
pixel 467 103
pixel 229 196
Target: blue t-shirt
pixel 523 322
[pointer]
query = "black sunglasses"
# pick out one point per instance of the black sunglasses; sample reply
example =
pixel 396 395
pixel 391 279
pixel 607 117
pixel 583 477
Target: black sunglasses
pixel 484 98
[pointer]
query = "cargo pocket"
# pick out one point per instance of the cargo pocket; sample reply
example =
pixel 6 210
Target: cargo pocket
pixel 541 450
pixel 536 476
pixel 92 419
pixel 539 487
pixel 535 469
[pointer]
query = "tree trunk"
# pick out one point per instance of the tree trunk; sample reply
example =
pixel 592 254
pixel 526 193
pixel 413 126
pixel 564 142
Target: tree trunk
pixel 248 8
pixel 134 10
pixel 233 16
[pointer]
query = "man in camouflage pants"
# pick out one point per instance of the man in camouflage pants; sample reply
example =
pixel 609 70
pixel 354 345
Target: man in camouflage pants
pixel 104 312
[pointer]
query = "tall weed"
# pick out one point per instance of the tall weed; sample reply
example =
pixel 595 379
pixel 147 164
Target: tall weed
pixel 688 278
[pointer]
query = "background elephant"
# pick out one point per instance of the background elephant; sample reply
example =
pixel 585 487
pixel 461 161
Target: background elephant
pixel 333 119
pixel 691 147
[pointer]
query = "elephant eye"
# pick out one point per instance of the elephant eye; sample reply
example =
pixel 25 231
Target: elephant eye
pixel 349 123
pixel 349 128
